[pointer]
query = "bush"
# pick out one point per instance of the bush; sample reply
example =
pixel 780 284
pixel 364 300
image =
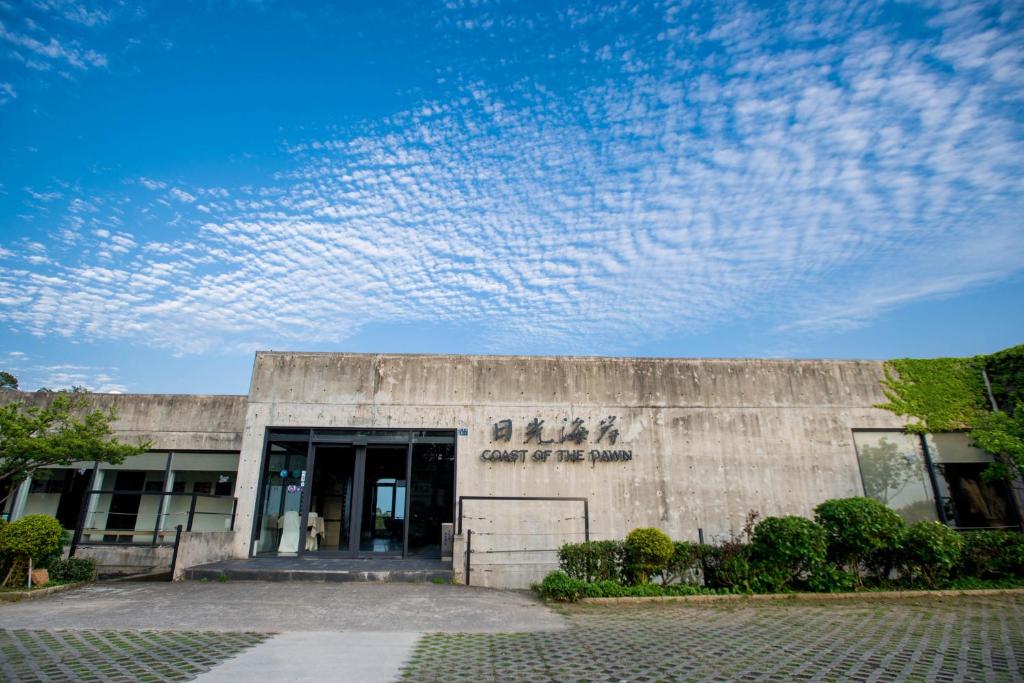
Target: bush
pixel 560 587
pixel 592 561
pixel 684 565
pixel 931 551
pixel 860 532
pixel 785 551
pixel 992 554
pixel 727 566
pixel 828 578
pixel 38 538
pixel 73 570
pixel 647 552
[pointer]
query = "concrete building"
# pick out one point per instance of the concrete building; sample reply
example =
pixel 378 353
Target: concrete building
pixel 372 455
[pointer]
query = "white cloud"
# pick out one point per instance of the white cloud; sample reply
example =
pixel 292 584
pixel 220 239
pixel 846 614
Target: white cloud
pixel 7 93
pixel 52 48
pixel 182 195
pixel 805 164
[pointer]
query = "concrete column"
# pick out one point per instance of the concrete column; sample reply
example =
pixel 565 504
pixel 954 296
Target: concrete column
pixel 20 498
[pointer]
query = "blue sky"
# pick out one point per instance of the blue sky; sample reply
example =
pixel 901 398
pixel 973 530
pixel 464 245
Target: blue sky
pixel 183 184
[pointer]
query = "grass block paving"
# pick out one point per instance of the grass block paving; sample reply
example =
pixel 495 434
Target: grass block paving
pixel 65 655
pixel 928 639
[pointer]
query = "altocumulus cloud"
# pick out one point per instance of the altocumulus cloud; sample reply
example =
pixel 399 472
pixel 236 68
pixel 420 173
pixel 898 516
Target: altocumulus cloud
pixel 814 163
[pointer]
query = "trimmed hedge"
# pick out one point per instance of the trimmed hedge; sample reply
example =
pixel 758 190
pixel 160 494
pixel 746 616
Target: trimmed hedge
pixel 35 538
pixel 931 551
pixel 592 561
pixel 647 552
pixel 560 587
pixel 857 543
pixel 861 534
pixel 992 554
pixel 73 570
pixel 786 551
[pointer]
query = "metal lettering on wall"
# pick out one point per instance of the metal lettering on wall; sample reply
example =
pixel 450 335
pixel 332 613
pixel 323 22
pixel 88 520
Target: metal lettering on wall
pixel 574 432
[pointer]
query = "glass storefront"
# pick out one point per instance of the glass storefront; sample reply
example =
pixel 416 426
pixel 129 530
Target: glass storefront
pixel 894 468
pixel 894 472
pixel 355 492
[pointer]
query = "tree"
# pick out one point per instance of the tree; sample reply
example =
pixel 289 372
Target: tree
pixel 8 381
pixel 61 433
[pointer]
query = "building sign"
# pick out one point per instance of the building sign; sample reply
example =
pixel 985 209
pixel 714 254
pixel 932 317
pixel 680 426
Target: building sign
pixel 566 442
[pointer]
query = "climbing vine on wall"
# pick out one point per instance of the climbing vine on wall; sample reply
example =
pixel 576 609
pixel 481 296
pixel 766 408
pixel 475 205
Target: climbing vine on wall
pixel 949 394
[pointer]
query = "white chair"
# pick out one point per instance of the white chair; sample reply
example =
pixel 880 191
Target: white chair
pixel 289 532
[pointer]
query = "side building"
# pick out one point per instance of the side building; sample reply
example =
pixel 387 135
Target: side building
pixel 373 455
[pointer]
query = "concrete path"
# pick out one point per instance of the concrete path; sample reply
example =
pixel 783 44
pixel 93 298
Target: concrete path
pixel 317 657
pixel 360 632
pixel 284 607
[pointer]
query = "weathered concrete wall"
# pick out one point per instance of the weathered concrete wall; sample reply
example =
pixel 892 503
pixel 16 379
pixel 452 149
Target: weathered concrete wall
pixel 710 439
pixel 202 547
pixel 125 560
pixel 172 422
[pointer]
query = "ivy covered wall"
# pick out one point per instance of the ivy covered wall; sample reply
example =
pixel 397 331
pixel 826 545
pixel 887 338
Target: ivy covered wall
pixel 949 394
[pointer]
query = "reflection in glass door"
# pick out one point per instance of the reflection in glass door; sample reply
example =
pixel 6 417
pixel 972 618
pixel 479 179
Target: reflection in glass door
pixel 280 512
pixel 382 524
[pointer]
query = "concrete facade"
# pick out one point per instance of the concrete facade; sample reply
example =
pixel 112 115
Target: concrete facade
pixel 687 446
pixel 182 422
pixel 709 440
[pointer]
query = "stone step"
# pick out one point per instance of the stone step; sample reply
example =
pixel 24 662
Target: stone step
pixel 320 575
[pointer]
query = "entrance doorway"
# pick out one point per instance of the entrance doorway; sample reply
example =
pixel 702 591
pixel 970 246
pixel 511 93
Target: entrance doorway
pixel 328 493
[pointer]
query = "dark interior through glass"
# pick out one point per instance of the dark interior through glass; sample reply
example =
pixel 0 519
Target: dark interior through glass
pixel 330 507
pixel 431 496
pixel 383 518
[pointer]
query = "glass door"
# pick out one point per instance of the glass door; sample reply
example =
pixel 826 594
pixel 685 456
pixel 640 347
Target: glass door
pixel 279 524
pixel 383 509
pixel 331 494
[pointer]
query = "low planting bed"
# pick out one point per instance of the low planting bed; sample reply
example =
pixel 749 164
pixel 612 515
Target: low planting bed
pixel 854 545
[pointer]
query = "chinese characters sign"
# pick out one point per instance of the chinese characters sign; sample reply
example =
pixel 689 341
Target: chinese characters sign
pixel 575 433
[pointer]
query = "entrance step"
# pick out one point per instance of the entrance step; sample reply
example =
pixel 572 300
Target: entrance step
pixel 323 570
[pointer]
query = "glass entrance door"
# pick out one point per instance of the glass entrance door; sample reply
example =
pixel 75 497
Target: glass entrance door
pixel 331 494
pixel 347 492
pixel 279 521
pixel 382 523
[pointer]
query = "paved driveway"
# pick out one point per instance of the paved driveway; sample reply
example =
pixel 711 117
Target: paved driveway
pixel 280 607
pixel 384 632
pixel 929 639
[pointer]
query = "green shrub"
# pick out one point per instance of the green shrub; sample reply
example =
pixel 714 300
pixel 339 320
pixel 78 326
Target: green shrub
pixel 684 565
pixel 828 578
pixel 73 570
pixel 38 538
pixel 647 552
pixel 592 561
pixel 727 566
pixel 860 532
pixel 560 587
pixel 992 554
pixel 931 551
pixel 785 551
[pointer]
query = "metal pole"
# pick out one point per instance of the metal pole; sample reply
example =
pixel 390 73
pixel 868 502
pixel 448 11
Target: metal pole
pixel 700 535
pixel 988 390
pixel 469 549
pixel 174 553
pixel 939 505
pixel 192 511
pixel 586 521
